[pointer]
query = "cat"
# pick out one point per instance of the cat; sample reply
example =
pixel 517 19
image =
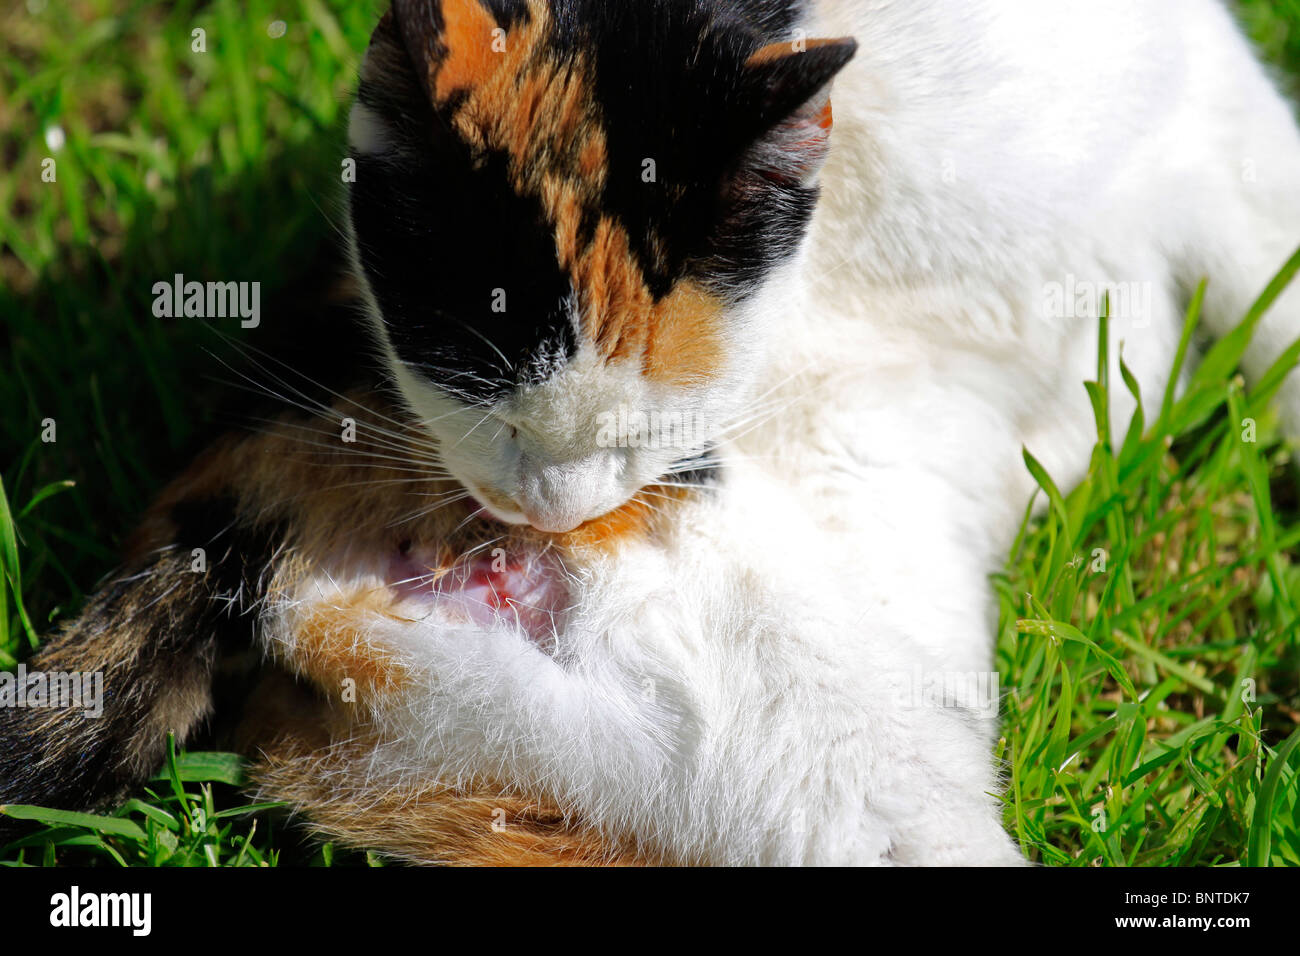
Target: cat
pixel 496 621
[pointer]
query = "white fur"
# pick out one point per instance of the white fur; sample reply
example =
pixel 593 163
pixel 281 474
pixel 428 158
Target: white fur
pixel 732 694
pixel 367 133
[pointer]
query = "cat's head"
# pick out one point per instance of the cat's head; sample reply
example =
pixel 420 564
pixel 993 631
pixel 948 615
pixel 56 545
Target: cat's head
pixel 563 212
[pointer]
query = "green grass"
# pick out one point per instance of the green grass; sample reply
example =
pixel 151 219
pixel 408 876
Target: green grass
pixel 1126 737
pixel 1147 640
pixel 172 824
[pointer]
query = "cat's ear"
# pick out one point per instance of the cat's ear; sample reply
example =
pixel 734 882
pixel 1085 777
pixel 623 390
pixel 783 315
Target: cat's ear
pixel 418 27
pixel 399 73
pixel 791 86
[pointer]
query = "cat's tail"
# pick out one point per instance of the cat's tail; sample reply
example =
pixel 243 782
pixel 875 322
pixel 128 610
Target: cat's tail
pixel 87 717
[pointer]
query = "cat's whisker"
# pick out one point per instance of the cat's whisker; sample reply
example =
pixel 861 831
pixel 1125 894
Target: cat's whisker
pixel 507 365
pixel 329 217
pixel 402 452
pixel 431 575
pixel 454 498
pixel 386 482
pixel 406 434
pixel 445 377
pixel 414 452
pixel 254 386
pixel 472 516
pixel 472 430
pixel 755 412
pixel 482 546
pixel 321 411
pixel 688 485
pixel 366 459
pixel 753 421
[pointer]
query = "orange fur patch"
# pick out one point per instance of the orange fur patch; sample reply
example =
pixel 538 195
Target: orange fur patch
pixel 468 39
pixel 517 98
pixel 482 825
pixel 684 337
pixel 330 648
pixel 677 340
pixel 635 519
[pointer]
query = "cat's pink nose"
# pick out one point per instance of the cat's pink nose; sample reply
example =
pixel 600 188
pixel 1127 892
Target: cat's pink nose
pixel 557 497
pixel 552 521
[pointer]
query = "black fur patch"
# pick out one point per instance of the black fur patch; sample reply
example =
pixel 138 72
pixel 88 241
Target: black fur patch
pixel 464 269
pixel 508 12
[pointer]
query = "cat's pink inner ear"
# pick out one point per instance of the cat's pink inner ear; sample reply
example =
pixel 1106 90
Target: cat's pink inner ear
pixel 795 79
pixel 827 119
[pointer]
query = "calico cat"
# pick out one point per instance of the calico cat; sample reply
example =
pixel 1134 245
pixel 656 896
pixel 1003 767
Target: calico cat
pixel 496 621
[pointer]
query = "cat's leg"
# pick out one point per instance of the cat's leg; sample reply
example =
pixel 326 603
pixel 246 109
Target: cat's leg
pixel 427 824
pixel 787 776
pixel 917 485
pixel 1264 233
pixel 714 705
pixel 315 752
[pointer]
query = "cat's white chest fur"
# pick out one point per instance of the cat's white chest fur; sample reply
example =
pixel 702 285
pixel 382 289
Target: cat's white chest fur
pixel 753 689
